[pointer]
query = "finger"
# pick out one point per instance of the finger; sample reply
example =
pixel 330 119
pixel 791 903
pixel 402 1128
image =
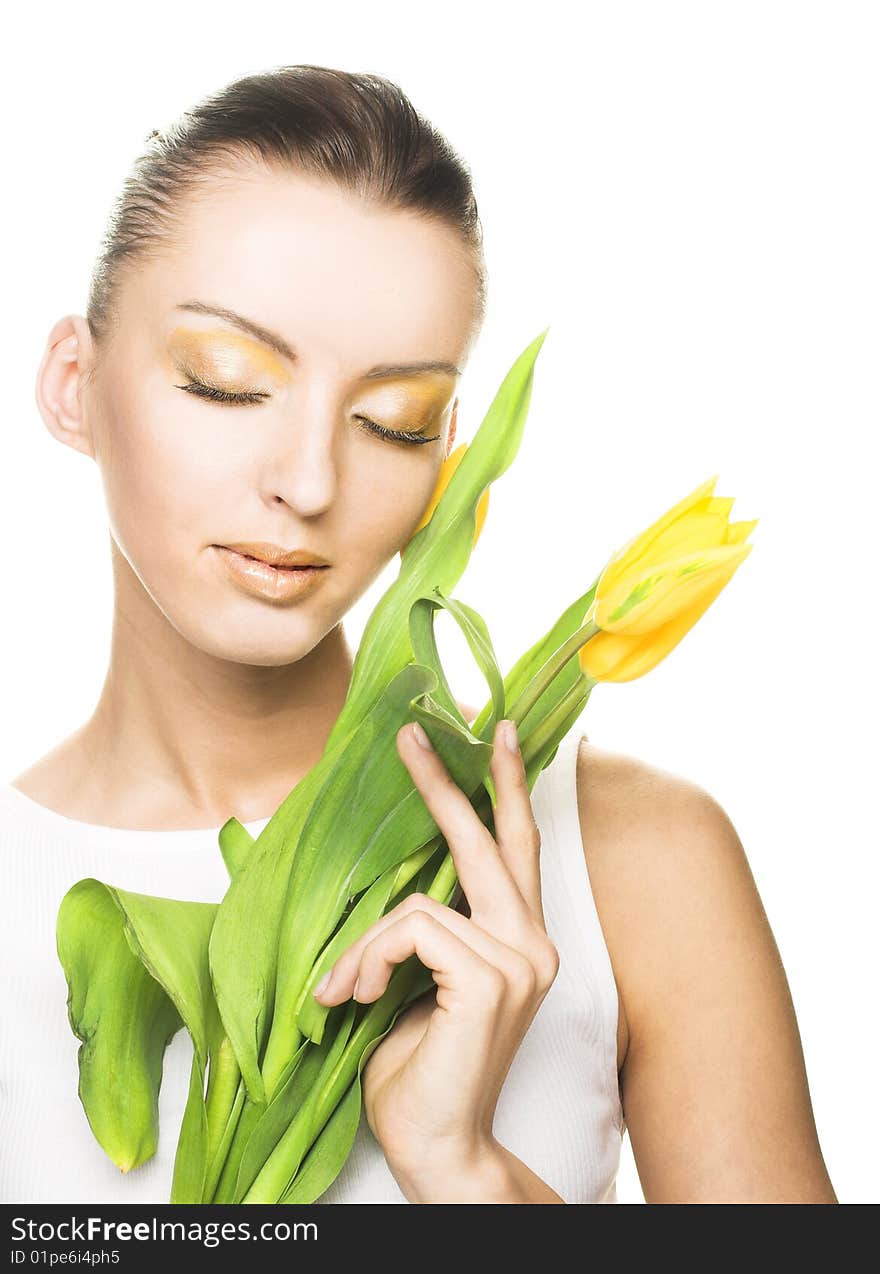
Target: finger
pixel 516 833
pixel 459 970
pixel 524 967
pixel 491 891
pixel 467 1015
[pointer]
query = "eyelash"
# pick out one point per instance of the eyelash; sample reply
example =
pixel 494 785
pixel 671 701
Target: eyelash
pixel 395 435
pixel 201 390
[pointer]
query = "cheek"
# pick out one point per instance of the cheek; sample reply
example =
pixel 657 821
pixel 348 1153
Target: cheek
pixel 158 483
pixel 384 503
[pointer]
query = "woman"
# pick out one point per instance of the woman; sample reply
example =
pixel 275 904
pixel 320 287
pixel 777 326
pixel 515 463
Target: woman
pixel 290 287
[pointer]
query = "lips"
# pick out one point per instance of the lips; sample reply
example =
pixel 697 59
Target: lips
pixel 281 582
pixel 278 566
pixel 275 555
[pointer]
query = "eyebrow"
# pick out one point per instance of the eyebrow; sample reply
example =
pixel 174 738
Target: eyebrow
pixel 277 343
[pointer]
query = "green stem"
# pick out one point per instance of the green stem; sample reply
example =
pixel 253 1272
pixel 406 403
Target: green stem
pixel 246 1119
pixel 218 1156
pixel 546 673
pixel 445 880
pixel 547 732
pixel 223 1084
pixel 411 866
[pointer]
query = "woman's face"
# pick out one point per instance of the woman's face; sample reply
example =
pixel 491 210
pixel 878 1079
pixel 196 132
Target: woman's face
pixel 314 304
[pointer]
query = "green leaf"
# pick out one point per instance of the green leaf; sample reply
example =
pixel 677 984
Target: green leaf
pixel 476 632
pixel 236 844
pixel 171 939
pixel 327 1156
pixel 190 1159
pixel 137 968
pixel 124 1019
pixel 243 956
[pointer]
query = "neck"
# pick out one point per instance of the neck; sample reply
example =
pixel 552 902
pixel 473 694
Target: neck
pixel 182 738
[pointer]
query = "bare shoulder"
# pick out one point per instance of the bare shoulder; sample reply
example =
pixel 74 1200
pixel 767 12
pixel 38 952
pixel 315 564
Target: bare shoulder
pixel 636 821
pixel 712 1074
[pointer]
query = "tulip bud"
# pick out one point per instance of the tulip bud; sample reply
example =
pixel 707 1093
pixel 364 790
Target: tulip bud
pixel 658 585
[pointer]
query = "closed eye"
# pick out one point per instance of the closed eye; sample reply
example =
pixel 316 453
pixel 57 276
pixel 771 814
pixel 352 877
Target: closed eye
pixel 246 397
pixel 396 435
pixel 211 392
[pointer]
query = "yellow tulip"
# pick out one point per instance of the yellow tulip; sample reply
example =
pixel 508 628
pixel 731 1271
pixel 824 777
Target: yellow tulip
pixel 447 469
pixel 658 585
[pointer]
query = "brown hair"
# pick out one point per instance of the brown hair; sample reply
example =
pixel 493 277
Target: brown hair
pixel 359 130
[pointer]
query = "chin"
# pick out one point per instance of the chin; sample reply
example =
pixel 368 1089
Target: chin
pixel 247 644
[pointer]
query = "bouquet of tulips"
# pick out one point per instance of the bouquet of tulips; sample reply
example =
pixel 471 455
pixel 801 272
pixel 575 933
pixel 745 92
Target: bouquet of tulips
pixel 275 1094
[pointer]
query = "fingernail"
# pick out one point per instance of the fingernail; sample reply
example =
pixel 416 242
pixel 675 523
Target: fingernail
pixel 422 738
pixel 323 983
pixel 510 736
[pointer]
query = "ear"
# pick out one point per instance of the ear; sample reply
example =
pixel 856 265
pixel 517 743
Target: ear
pixel 453 421
pixel 66 360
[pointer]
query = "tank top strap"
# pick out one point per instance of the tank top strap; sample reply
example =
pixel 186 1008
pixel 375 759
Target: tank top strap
pixel 569 904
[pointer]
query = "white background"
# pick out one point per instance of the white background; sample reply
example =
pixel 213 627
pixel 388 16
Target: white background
pixel 687 193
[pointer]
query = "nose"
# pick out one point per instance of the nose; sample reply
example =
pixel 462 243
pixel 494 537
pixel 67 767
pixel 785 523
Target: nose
pixel 301 470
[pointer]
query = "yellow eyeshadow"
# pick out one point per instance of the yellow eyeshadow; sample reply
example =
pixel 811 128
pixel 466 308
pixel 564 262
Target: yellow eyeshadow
pixel 224 354
pixel 409 398
pixel 233 361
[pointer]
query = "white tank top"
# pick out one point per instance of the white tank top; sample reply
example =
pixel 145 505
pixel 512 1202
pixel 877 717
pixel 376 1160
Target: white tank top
pixel 559 1109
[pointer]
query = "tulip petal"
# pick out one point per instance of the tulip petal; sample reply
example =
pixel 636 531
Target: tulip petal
pixel 638 550
pixel 604 653
pixel 482 510
pixel 618 657
pixel 447 469
pixel 701 528
pixel 674 585
pixel 737 532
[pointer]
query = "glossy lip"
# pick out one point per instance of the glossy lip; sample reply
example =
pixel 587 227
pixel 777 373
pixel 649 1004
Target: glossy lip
pixel 274 554
pixel 272 583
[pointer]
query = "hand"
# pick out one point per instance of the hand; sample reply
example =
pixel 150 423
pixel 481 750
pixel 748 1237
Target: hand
pixel 432 1084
